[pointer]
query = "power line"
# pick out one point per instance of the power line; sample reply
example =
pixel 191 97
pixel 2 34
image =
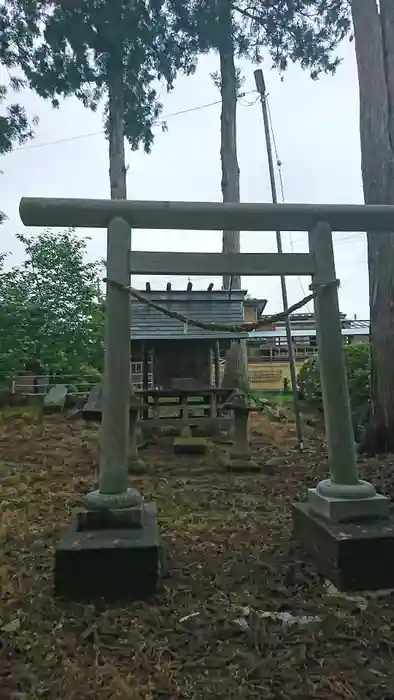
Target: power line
pixel 159 122
pixel 280 175
pixel 189 110
pixel 55 143
pixel 352 237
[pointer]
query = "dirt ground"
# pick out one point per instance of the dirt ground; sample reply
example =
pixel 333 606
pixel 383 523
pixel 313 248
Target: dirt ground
pixel 212 631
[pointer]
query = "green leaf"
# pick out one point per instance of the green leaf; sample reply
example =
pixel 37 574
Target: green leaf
pixel 357 358
pixel 82 44
pixel 51 307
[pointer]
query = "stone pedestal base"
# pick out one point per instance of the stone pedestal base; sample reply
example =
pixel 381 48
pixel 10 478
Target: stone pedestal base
pixel 111 519
pixel 190 445
pixel 354 556
pixel 242 465
pixel 51 409
pixel 347 509
pixel 109 563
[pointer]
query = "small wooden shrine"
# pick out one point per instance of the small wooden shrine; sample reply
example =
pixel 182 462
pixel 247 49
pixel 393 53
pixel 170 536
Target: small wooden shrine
pixel 172 355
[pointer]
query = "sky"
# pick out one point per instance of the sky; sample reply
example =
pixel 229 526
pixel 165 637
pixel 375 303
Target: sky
pixel 316 128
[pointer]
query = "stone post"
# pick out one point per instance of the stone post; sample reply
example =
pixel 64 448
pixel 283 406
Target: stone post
pixel 241 447
pixel 135 463
pixel 113 492
pixel 240 454
pixel 343 496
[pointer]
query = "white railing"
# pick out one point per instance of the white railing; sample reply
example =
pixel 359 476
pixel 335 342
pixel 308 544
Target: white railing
pixel 39 385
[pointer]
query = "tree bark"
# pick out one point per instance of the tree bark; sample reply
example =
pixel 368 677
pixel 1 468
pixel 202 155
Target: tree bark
pixel 236 370
pixel 387 20
pixel 374 41
pixel 117 165
pixel 235 375
pixel 228 132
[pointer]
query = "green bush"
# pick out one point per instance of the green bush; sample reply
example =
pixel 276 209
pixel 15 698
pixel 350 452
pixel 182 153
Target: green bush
pixel 83 380
pixel 90 375
pixel 357 357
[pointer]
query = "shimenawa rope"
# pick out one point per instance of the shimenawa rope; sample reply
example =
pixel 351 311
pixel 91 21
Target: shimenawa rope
pixel 316 290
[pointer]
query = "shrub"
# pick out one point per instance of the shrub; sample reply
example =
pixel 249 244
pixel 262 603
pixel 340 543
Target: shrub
pixel 357 358
pixel 88 375
pixel 82 382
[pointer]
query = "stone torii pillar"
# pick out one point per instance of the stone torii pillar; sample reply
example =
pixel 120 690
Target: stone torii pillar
pixel 113 548
pixel 113 492
pixel 344 521
pixel 343 496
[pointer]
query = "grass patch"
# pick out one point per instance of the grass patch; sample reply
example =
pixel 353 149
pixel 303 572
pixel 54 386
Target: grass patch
pixel 30 412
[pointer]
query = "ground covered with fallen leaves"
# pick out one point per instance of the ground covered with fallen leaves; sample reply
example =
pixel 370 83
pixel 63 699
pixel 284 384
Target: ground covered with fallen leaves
pixel 239 614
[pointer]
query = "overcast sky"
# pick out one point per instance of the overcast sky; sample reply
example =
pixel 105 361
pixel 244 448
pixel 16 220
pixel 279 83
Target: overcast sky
pixel 316 129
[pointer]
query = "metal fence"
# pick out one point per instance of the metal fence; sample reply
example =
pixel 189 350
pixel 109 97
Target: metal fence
pixel 29 384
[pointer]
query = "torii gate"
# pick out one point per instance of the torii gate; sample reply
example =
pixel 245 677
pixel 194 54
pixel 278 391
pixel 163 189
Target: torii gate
pixel 93 558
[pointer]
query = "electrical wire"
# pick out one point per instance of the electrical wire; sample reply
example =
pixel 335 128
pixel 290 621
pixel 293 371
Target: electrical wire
pixel 281 186
pixel 245 103
pixel 161 122
pixel 343 239
pixel 187 111
pixel 279 164
pixel 158 123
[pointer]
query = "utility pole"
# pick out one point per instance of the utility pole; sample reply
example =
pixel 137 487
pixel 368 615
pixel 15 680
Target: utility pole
pixel 261 89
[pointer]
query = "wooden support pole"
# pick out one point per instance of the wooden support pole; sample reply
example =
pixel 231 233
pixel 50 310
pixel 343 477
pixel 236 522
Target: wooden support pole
pixel 217 364
pixel 211 360
pixel 343 496
pixel 213 410
pixel 145 375
pixel 260 85
pixel 204 216
pixel 184 401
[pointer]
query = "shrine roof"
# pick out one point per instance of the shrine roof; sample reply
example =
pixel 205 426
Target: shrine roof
pixel 208 306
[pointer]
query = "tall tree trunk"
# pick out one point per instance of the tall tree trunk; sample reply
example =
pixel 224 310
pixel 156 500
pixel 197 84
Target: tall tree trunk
pixel 228 132
pixel 387 20
pixel 374 41
pixel 235 375
pixel 117 165
pixel 236 369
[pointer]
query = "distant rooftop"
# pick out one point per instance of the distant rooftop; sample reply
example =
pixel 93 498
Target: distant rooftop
pixel 299 318
pixel 259 303
pixel 350 323
pixel 207 306
pixel 350 328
